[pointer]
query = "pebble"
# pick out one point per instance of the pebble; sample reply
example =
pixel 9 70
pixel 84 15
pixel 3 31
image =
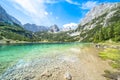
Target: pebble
pixel 46 73
pixel 67 76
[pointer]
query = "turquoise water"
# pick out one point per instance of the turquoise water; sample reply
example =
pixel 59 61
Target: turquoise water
pixel 11 54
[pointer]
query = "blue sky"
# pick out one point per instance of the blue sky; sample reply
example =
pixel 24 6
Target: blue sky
pixel 48 12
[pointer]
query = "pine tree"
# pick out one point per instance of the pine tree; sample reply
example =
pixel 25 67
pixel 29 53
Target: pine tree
pixel 101 35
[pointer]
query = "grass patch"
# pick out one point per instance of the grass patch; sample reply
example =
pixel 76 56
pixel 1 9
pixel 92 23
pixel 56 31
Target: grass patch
pixel 113 55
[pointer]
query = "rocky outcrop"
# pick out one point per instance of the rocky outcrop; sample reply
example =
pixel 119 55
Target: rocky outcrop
pixel 54 28
pixel 99 15
pixel 98 11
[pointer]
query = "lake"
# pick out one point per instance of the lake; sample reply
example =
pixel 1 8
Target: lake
pixel 12 53
pixel 51 61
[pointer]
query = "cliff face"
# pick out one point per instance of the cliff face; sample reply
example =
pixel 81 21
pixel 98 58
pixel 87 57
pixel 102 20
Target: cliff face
pixel 54 28
pixel 101 16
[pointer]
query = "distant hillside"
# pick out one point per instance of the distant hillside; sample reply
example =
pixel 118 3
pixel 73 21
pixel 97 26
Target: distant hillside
pixel 35 28
pixel 56 37
pixel 101 23
pixel 10 28
pixel 13 32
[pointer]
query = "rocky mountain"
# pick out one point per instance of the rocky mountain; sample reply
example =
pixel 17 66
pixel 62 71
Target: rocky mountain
pixel 100 24
pixel 70 26
pixel 100 18
pixel 11 29
pixel 35 28
pixel 99 10
pixel 54 28
pixel 6 18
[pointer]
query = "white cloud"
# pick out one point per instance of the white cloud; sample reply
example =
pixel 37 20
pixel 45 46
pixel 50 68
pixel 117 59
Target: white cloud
pixel 89 5
pixel 70 26
pixel 56 17
pixel 51 1
pixel 72 2
pixel 46 13
pixel 35 9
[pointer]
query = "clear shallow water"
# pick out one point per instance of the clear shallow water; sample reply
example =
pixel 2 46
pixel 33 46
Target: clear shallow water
pixel 11 54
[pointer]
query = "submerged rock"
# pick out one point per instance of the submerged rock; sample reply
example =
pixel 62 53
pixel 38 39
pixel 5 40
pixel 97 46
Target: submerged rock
pixel 46 73
pixel 29 77
pixel 67 76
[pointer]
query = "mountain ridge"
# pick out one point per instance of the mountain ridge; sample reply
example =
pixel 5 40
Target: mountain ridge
pixel 35 28
pixel 101 23
pixel 5 17
pixel 100 17
pixel 11 28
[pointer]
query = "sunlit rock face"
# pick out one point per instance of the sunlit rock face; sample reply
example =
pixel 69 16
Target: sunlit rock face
pixel 101 16
pixel 54 28
pixel 104 11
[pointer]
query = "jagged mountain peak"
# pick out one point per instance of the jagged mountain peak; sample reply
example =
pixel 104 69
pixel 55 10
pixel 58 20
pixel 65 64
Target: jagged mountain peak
pixel 54 28
pixel 98 11
pixel 35 28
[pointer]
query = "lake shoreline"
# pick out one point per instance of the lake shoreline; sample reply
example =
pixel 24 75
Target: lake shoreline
pixel 25 42
pixel 76 61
